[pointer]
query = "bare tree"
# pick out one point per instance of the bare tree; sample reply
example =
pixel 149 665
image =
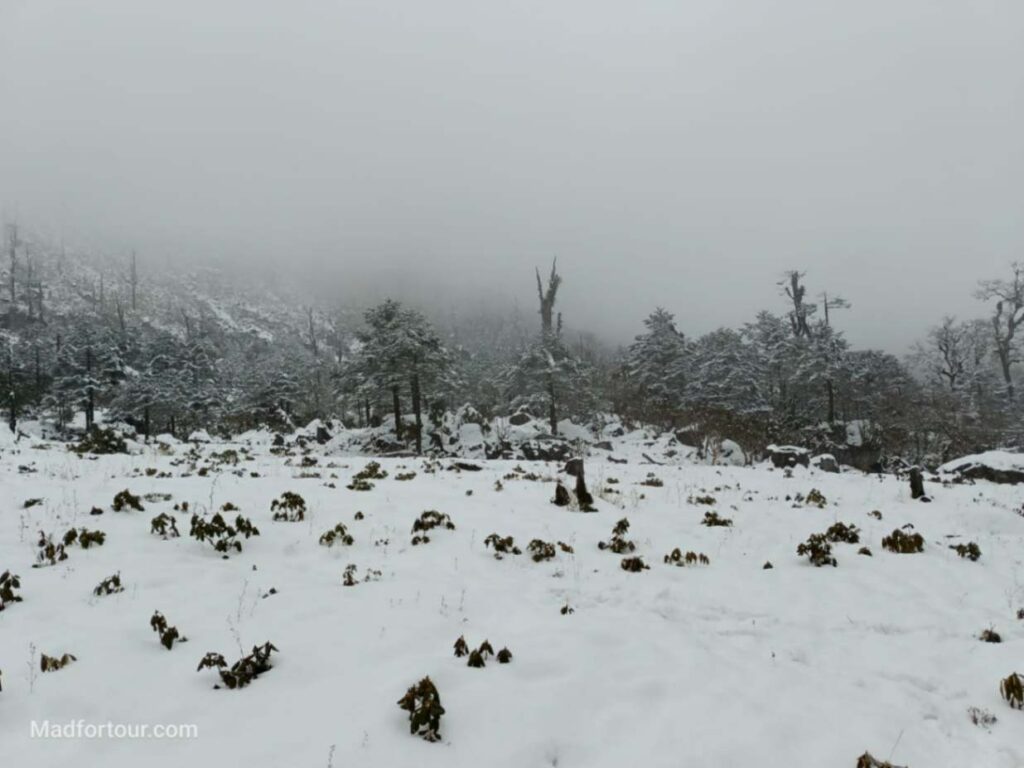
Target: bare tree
pixel 801 311
pixel 547 300
pixel 12 244
pixel 1007 317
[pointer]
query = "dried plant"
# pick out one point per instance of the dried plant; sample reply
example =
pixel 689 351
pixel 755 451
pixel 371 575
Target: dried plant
pixel 423 703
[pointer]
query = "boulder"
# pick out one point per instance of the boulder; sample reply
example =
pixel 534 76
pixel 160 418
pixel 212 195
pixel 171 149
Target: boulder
pixel 549 449
pixel 520 418
pixel 574 467
pixel 826 462
pixel 783 456
pixel 995 466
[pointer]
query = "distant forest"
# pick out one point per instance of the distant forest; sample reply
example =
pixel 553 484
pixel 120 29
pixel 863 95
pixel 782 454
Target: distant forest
pixel 167 352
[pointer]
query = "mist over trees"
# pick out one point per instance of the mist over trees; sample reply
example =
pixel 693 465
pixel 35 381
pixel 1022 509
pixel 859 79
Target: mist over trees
pixel 176 353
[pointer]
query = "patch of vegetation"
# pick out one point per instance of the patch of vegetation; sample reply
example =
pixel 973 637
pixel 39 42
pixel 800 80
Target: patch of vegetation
pixel 815 498
pixel 461 647
pixel 970 550
pixel 867 761
pixel 903 543
pixel 221 536
pixel 504 656
pixel 361 480
pixel 843 533
pixel 618 543
pixel 127 500
pixel 348 578
pixel 981 717
pixel 544 550
pixel 634 564
pixel 243 671
pixel 712 519
pixel 52 663
pixel 405 476
pixel 478 657
pixel 290 508
pixel 652 481
pixel 167 633
pixel 101 441
pixel 164 526
pixel 865 551
pixel 1012 690
pixel 502 545
pixel 49 553
pixel 337 535
pixel 8 583
pixel 423 703
pixel 29 503
pixel 818 550
pixel 875 514
pixel 427 522
pixel 677 558
pixel 990 636
pixel 109 586
pixel 705 500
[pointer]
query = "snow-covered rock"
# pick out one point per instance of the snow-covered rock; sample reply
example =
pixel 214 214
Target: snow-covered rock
pixel 995 466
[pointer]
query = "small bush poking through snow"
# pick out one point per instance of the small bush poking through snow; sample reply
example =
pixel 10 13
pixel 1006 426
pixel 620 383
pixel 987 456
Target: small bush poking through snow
pixel 818 550
pixel 504 656
pixel 337 535
pixel 109 586
pixel 101 441
pixel 405 476
pixel 127 500
pixel 1012 690
pixel 981 717
pixel 712 519
pixel 990 636
pixel 815 498
pixel 243 671
pixel 164 526
pixel 634 564
pixel 423 703
pixel 348 578
pixel 618 544
pixel 8 583
pixel 427 522
pixel 677 558
pixel 867 761
pixel 865 551
pixel 461 648
pixel 970 550
pixel 222 537
pixel 290 508
pixel 361 480
pixel 167 633
pixel 652 481
pixel 49 553
pixel 707 501
pixel 52 664
pixel 841 532
pixel 502 545
pixel 903 543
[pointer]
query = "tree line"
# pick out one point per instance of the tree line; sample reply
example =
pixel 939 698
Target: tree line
pixel 79 336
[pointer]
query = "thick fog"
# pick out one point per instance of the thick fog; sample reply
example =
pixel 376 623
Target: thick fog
pixel 680 154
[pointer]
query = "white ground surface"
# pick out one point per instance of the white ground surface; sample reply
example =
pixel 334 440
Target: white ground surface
pixel 721 665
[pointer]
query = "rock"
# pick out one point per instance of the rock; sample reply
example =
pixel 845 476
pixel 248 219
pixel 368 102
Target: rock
pixel 466 466
pixel 278 440
pixel 788 456
pixel 520 418
pixel 604 445
pixel 322 435
pixel 550 449
pixel 826 463
pixel 994 466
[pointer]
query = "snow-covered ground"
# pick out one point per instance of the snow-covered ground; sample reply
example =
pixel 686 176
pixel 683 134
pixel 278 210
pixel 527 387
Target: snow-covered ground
pixel 725 664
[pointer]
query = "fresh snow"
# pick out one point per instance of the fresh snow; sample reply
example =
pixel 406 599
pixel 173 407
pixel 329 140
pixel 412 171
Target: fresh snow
pixel 725 665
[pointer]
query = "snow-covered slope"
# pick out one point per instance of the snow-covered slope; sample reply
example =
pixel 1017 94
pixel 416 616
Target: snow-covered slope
pixel 726 664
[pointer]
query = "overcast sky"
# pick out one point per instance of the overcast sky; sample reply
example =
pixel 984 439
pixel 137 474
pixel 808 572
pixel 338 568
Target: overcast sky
pixel 681 153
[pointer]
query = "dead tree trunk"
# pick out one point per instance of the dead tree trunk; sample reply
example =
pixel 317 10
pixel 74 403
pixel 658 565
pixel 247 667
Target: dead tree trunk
pixel 396 404
pixel 547 299
pixel 916 483
pixel 417 410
